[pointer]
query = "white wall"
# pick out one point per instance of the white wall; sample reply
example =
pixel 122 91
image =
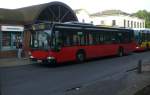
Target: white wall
pixel 119 21
pixel 83 16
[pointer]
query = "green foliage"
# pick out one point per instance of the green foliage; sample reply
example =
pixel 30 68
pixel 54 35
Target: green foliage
pixel 144 15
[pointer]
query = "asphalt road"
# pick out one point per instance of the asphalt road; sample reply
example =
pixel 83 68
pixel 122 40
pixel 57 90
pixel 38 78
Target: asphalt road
pixel 105 74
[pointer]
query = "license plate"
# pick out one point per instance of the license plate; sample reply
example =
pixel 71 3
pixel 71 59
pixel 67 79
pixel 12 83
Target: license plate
pixel 39 61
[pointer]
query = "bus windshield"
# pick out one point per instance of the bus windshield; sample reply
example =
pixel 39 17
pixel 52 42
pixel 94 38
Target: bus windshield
pixel 40 39
pixel 137 36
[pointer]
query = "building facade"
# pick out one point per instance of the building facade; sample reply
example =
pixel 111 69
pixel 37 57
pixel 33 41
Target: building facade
pixel 14 24
pixel 111 18
pixel 10 36
pixel 83 16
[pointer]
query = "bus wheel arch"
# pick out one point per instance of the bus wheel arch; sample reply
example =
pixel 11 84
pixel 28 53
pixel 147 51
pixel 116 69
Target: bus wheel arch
pixel 120 51
pixel 80 56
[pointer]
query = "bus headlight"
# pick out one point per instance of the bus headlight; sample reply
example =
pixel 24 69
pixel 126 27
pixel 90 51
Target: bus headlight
pixel 31 57
pixel 49 58
pixel 137 47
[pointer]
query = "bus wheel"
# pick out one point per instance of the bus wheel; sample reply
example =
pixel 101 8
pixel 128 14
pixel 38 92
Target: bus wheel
pixel 80 57
pixel 120 52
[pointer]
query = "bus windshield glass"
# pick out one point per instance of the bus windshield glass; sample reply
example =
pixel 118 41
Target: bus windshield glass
pixel 137 36
pixel 40 39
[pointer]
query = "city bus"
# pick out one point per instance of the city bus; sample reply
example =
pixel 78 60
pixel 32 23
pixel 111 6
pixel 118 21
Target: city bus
pixel 55 43
pixel 142 37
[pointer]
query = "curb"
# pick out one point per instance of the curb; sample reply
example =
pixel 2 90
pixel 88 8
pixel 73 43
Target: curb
pixel 9 62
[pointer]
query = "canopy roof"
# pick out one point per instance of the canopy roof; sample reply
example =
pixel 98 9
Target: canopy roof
pixel 53 11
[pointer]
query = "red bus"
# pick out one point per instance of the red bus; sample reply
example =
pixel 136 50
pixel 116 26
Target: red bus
pixel 53 43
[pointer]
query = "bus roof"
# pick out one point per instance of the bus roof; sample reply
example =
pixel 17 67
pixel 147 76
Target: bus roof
pixel 77 25
pixel 141 29
pixel 86 25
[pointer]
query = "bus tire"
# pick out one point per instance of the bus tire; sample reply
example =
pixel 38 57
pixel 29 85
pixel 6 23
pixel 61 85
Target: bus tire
pixel 120 52
pixel 80 57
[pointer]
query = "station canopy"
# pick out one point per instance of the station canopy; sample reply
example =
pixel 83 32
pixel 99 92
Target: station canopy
pixel 53 12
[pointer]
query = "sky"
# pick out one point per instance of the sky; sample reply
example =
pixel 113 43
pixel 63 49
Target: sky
pixel 92 6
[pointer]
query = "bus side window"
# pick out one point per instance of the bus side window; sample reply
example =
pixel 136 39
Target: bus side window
pixel 140 37
pixel 101 37
pixel 126 37
pixel 120 37
pixel 82 40
pixel 66 39
pixel 86 39
pixel 96 38
pixel 107 37
pixel 113 37
pixel 69 38
pixel 131 35
pixel 90 39
pixel 75 39
pixel 55 38
pixel 149 36
pixel 57 35
pixel 143 36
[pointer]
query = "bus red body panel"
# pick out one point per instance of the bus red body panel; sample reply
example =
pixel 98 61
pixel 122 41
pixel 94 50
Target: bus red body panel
pixel 94 51
pixel 40 54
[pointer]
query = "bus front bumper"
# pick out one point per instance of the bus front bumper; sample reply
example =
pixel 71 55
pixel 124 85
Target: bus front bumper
pixel 49 60
pixel 139 48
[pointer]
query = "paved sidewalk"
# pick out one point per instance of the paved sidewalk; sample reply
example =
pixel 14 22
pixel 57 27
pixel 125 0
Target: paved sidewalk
pixel 7 62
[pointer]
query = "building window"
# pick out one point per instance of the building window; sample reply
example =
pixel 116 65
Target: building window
pixel 83 20
pixel 134 24
pixel 140 25
pixel 124 23
pixel 137 24
pixel 10 39
pixel 102 22
pixel 131 24
pixel 113 22
pixel 6 39
pixel 128 23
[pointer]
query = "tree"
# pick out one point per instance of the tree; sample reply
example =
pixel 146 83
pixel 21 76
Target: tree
pixel 144 15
